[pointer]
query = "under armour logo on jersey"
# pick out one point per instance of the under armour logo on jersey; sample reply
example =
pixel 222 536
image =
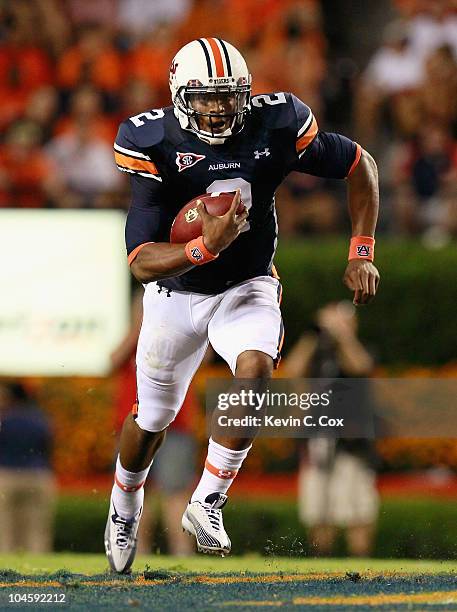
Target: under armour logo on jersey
pixel 363 250
pixel 187 160
pixel 258 154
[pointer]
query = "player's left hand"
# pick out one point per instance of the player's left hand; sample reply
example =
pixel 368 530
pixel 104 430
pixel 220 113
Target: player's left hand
pixel 362 277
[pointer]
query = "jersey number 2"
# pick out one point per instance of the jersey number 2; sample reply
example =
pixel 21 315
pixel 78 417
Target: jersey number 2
pixel 233 185
pixel 272 100
pixel 156 113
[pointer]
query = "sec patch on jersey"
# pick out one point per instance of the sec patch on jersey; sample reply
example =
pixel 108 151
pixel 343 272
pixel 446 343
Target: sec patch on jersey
pixel 188 224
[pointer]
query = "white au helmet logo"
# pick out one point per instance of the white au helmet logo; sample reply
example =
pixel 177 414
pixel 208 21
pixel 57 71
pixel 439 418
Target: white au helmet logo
pixel 187 160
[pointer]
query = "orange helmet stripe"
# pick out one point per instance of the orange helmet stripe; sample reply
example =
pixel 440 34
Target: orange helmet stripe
pixel 217 57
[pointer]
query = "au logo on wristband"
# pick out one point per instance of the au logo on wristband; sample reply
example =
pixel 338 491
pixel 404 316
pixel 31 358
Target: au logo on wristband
pixel 363 250
pixel 196 253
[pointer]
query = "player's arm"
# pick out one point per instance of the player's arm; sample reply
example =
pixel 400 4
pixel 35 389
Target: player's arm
pixel 334 156
pixel 363 198
pixel 150 257
pixel 160 260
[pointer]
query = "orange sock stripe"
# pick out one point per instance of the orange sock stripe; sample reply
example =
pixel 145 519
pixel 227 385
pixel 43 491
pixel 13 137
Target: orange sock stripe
pixel 220 473
pixel 127 489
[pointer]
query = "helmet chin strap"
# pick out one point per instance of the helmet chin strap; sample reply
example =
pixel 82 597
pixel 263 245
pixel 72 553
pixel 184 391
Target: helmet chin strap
pixel 212 140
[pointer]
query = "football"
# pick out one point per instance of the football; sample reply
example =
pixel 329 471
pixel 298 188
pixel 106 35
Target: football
pixel 188 224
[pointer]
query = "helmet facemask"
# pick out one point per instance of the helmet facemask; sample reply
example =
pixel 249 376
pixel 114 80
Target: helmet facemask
pixel 214 112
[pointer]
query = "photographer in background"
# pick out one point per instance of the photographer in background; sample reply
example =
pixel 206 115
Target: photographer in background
pixel 337 476
pixel 27 488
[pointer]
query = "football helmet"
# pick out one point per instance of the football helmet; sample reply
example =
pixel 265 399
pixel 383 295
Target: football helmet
pixel 210 89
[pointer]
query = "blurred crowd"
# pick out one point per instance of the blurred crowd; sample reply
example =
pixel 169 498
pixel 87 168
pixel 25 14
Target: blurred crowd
pixel 71 70
pixel 406 113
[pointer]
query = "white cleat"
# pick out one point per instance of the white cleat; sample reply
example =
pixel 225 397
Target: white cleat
pixel 120 540
pixel 204 521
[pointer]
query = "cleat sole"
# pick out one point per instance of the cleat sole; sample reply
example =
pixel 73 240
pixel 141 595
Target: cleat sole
pixel 190 530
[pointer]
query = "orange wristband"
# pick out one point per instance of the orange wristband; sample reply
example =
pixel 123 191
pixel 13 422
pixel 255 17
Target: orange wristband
pixel 197 253
pixel 362 247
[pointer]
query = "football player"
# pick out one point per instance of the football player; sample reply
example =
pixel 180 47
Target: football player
pixel 221 287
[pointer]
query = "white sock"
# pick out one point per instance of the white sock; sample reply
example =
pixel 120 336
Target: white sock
pixel 128 490
pixel 221 467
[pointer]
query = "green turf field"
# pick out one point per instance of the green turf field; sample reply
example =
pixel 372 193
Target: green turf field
pixel 232 583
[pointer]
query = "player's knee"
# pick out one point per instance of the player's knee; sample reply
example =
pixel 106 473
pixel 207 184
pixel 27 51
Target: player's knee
pixel 254 364
pixel 149 434
pixel 155 421
pixel 133 426
pixel 158 403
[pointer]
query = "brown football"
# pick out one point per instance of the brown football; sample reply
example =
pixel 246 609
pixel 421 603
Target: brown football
pixel 188 225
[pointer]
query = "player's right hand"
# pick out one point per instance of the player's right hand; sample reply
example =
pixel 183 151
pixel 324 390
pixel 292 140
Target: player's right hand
pixel 362 277
pixel 220 232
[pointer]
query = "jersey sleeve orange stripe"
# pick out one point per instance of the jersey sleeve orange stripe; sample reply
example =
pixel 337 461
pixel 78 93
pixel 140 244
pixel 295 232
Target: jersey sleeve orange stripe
pixel 358 155
pixel 308 137
pixel 217 57
pixel 135 252
pixel 140 165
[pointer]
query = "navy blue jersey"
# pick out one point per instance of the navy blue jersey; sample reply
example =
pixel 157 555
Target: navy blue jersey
pixel 169 166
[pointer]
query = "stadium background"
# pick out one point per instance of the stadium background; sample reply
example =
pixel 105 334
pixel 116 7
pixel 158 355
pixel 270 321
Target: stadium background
pixel 71 70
